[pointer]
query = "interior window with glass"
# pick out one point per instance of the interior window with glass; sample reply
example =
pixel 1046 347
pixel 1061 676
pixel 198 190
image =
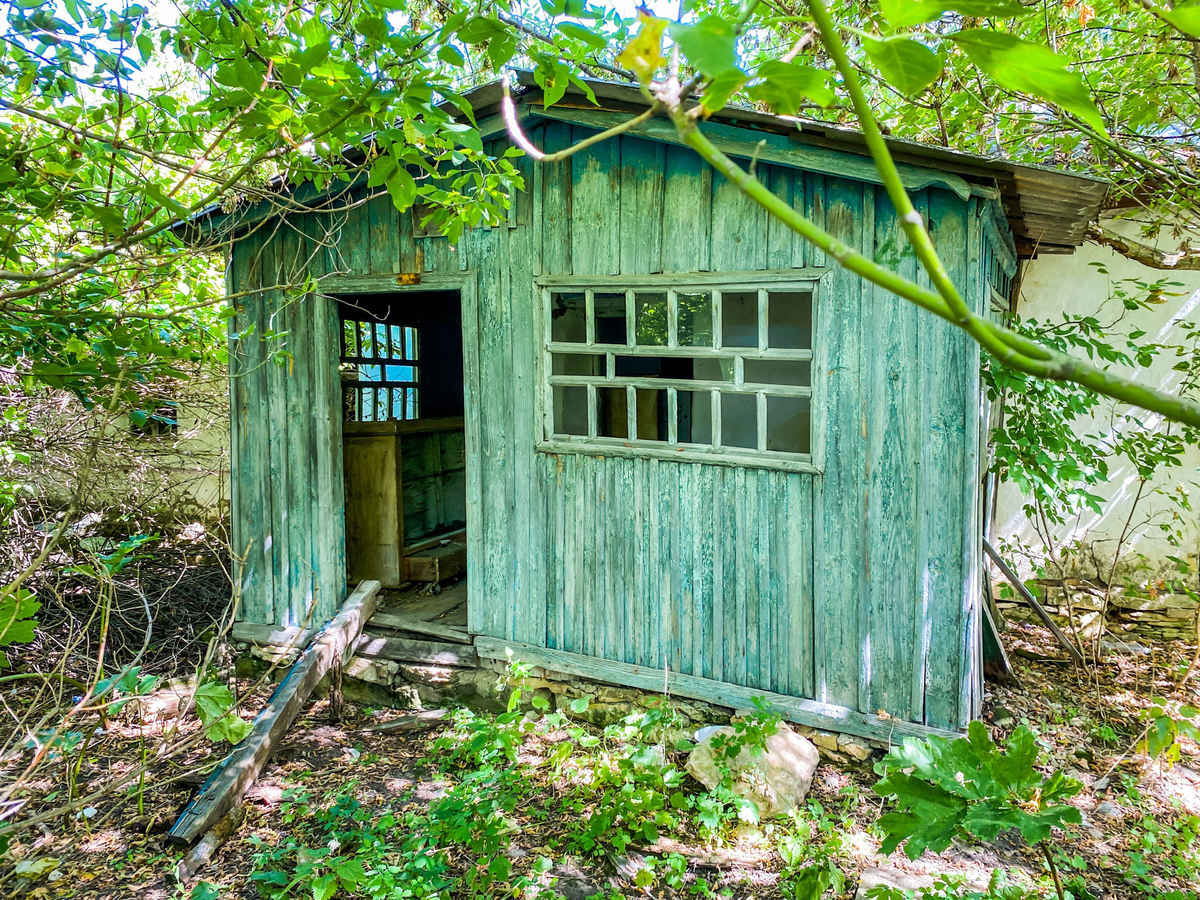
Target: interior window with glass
pixel 721 370
pixel 379 369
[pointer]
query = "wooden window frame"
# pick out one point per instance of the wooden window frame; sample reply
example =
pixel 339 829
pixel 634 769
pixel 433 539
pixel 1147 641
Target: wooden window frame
pixel 410 339
pixel 798 280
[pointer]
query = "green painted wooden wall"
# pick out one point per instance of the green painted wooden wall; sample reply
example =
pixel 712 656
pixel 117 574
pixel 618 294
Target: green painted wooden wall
pixel 856 586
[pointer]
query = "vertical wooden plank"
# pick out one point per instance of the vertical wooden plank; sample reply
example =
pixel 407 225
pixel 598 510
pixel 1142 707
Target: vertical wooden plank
pixel 894 449
pixel 713 490
pixel 596 207
pixel 298 401
pixel 739 229
pixel 556 202
pixel 251 434
pixel 936 656
pixel 780 238
pixel 683 566
pixel 479 619
pixel 286 613
pixel 687 211
pixel 382 222
pixel 641 194
pixel 356 233
pixel 839 500
pixel 800 568
pixel 732 566
pixel 638 613
pixel 815 196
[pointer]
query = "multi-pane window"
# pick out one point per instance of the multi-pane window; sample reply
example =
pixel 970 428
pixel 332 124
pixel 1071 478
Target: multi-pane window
pixel 380 374
pixel 724 370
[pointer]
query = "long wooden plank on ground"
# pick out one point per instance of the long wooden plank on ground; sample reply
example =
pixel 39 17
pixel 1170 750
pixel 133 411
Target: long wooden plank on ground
pixel 418 626
pixel 647 678
pixel 426 653
pixel 231 779
pixel 1015 580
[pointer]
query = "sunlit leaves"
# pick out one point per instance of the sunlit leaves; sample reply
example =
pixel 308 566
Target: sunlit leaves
pixel 643 55
pixel 1184 16
pixel 907 65
pixel 905 13
pixel 1030 69
pixel 591 39
pixel 710 44
pixel 785 86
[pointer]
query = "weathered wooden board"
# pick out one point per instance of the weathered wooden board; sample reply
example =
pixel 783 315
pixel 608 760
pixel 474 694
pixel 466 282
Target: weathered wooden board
pixel 271 635
pixel 427 653
pixel 374 502
pixel 402 622
pixel 801 711
pixel 224 789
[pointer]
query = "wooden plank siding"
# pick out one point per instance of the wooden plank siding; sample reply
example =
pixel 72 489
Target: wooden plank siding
pixel 851 587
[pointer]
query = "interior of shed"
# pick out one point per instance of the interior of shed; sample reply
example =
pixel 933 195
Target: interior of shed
pixel 404 463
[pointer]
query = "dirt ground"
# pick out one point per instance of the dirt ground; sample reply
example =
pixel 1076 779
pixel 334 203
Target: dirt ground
pixel 1133 810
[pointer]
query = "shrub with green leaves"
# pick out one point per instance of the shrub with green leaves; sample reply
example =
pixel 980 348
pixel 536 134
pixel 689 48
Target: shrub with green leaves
pixel 970 788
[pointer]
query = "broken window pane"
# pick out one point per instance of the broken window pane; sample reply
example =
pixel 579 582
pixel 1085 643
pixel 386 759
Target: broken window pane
pixel 695 319
pixel 775 371
pixel 789 320
pixel 713 369
pixel 739 319
pixel 680 368
pixel 788 421
pixel 568 318
pixel 650 311
pixel 651 415
pixel 612 413
pixel 693 417
pixel 739 420
pixel 610 318
pixel 576 364
pixel 570 410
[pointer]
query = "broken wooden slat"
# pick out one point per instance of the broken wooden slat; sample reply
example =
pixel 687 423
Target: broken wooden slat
pixel 427 718
pixel 201 855
pixel 449 536
pixel 224 789
pixel 1016 582
pixel 429 608
pixel 426 653
pixel 418 626
pixel 271 635
pixel 437 564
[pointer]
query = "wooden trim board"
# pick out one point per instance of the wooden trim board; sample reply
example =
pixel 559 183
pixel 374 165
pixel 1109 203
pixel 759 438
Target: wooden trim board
pixel 228 783
pixel 804 712
pixel 419 626
pixel 426 653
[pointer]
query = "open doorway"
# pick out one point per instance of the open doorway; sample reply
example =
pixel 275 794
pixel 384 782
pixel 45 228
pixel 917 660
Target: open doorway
pixel 404 457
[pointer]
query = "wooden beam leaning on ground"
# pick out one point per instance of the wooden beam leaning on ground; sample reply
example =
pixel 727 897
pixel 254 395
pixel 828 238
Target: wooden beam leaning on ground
pixel 332 646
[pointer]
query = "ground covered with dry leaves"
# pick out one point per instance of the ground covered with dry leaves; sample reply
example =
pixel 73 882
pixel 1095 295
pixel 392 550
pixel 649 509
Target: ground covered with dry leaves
pixel 532 802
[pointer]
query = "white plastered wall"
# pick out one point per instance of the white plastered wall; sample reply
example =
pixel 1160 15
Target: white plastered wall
pixel 1056 284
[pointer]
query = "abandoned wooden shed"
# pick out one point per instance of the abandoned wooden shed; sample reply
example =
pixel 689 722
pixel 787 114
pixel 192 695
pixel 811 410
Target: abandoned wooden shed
pixel 681 442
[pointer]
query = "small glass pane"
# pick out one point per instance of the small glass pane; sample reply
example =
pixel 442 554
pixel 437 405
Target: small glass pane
pixel 651 415
pixel 396 350
pixel 788 421
pixel 695 320
pixel 349 344
pixel 612 413
pixel 650 311
pixel 739 319
pixel 576 364
pixel 400 373
pixel 366 343
pixel 713 369
pixel 568 318
pixel 570 410
pixel 693 417
pixel 411 336
pixel 775 371
pixel 610 318
pixel 789 320
pixel 381 340
pixel 739 420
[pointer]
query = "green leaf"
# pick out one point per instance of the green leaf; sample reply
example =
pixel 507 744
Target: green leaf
pixel 324 887
pixel 907 65
pixel 403 188
pixel 783 86
pixel 721 88
pixel 1029 68
pixel 451 56
pixel 1184 16
pixel 580 704
pixel 643 55
pixel 586 35
pixel 906 13
pixel 710 45
pixel 213 700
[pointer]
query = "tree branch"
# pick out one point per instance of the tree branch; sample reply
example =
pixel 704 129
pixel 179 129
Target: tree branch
pixel 1180 260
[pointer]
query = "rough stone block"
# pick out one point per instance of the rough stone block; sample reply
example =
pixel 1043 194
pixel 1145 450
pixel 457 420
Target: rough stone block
pixel 776 780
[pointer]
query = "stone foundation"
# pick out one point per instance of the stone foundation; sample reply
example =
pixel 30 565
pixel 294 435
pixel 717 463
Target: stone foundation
pixel 396 685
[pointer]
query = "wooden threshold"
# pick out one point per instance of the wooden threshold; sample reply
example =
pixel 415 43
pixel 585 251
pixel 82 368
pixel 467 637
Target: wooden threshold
pixel 825 716
pixel 426 653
